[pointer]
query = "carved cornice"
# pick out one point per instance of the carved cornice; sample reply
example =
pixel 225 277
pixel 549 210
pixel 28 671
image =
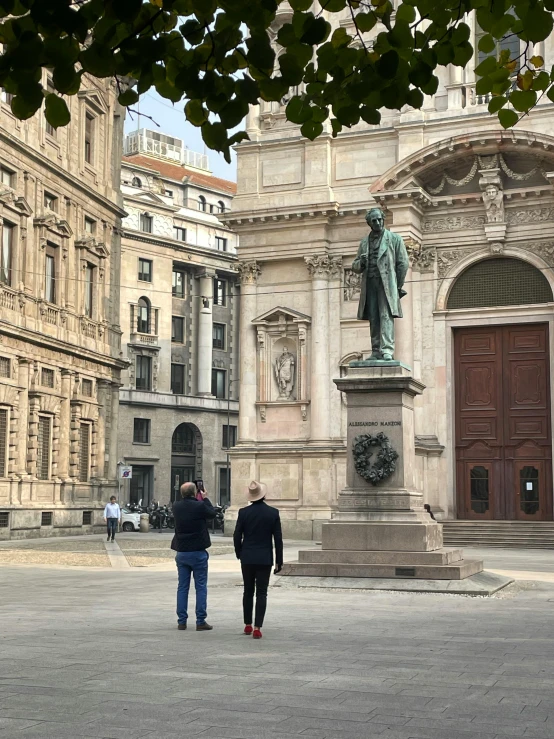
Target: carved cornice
pixel 249 272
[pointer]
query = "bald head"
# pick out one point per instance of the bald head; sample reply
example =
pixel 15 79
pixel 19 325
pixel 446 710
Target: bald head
pixel 188 490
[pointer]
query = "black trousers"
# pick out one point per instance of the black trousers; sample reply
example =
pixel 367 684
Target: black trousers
pixel 256 580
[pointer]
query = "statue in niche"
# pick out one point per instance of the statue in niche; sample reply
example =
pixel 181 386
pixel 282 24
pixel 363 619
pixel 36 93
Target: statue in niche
pixel 493 199
pixel 284 374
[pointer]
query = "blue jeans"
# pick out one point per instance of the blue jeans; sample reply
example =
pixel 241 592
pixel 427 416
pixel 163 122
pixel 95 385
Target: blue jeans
pixel 112 527
pixel 195 563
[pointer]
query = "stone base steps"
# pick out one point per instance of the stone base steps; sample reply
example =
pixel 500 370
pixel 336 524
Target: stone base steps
pixel 502 534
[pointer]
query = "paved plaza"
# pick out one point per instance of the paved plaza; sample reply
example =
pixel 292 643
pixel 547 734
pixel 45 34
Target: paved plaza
pixel 93 651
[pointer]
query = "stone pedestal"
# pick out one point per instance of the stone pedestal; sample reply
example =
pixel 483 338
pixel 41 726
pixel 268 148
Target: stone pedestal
pixel 381 530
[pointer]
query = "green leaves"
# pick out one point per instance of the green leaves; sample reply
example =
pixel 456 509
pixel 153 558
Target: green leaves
pixel 344 61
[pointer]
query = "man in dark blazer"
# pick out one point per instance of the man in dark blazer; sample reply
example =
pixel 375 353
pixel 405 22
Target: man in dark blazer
pixel 191 542
pixel 258 527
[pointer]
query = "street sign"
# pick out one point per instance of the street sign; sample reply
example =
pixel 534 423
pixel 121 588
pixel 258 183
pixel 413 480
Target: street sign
pixel 125 473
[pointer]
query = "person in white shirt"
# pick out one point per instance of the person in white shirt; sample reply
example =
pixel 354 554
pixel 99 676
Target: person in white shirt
pixel 112 516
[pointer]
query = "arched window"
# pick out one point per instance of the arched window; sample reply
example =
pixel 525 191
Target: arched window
pixel 221 206
pixel 499 281
pixel 183 441
pixel 143 316
pixel 202 203
pixel 136 182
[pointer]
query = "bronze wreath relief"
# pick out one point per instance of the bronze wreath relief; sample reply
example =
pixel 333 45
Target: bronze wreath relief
pixel 385 464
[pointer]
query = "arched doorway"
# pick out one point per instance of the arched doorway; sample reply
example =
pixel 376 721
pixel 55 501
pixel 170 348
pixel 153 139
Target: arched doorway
pixel 186 456
pixel 502 397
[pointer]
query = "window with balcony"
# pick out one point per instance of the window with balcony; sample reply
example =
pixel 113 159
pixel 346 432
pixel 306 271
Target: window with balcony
pixel 219 383
pixel 89 290
pixel 218 336
pixel 146 223
pixel 143 316
pixel 179 233
pixel 177 329
pixel 143 374
pixel 178 379
pixel 219 291
pixel 145 270
pixel 141 431
pixel 178 284
pixel 220 243
pixel 50 274
pixel 6 253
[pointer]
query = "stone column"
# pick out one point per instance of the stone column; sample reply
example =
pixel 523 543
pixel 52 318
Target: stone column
pixel 23 382
pixel 319 268
pixel 205 337
pixel 65 422
pixel 112 442
pixel 249 273
pixel 335 402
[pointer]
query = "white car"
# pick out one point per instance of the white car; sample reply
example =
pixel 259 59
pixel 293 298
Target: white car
pixel 130 521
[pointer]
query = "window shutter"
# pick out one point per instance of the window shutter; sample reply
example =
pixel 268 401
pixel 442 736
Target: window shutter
pixel 3 440
pixel 84 452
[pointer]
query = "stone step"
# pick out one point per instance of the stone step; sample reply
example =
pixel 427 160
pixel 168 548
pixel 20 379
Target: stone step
pixel 338 556
pixel 458 571
pixel 504 534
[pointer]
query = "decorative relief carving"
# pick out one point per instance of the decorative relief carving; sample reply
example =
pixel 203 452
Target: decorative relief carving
pixel 493 200
pixel 336 268
pixel 447 258
pixel 544 249
pixel 452 223
pixel 485 163
pixel 529 215
pixel 319 266
pixel 249 272
pixel 352 283
pixel 425 259
pixel 496 247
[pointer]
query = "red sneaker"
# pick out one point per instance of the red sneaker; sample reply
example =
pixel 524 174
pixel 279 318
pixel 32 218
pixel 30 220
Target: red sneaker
pixel 257 634
pixel 248 630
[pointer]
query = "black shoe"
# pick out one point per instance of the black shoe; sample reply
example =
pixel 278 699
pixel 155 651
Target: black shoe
pixel 204 627
pixel 113 538
pixel 108 538
pixel 182 627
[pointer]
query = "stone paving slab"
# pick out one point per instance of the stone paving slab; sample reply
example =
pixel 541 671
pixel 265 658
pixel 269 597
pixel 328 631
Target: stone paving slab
pixel 96 654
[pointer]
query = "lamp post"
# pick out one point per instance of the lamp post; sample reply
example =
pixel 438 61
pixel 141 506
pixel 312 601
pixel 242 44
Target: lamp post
pixel 229 436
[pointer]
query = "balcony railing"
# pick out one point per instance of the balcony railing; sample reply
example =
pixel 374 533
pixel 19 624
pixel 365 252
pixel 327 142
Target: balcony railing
pixel 88 328
pixel 146 339
pixel 7 298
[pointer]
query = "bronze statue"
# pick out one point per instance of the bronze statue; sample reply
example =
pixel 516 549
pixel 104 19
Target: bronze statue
pixel 383 261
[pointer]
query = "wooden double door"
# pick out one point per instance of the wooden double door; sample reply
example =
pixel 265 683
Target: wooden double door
pixel 502 418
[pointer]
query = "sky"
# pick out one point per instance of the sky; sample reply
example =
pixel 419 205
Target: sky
pixel 171 120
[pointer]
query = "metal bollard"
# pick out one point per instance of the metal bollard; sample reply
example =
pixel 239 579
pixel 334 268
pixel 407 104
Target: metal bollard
pixel 144 523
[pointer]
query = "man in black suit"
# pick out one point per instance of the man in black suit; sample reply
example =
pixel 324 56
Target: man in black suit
pixel 258 526
pixel 191 542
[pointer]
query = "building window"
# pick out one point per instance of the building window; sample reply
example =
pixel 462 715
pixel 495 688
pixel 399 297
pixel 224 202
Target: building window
pixel 90 225
pixel 183 440
pixel 219 291
pixel 218 336
pixel 220 243
pixel 89 289
pixel 229 436
pixel 168 193
pixel 202 203
pixel 179 233
pixel 46 518
pixel 47 377
pixel 136 182
pixel 146 222
pixel 51 90
pixel 50 274
pixel 145 270
pixel 143 316
pixel 3 440
pixel 143 373
pixel 89 138
pixel 86 388
pixel 84 452
pixel 5 367
pixel 178 284
pixel 50 201
pixel 219 383
pixel 87 518
pixel 6 255
pixel 178 379
pixel 224 486
pixel 141 431
pixel 6 176
pixel 221 206
pixel 177 329
pixel 43 451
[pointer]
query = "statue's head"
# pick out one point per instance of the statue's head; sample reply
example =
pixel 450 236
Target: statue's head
pixel 285 349
pixel 492 191
pixel 375 219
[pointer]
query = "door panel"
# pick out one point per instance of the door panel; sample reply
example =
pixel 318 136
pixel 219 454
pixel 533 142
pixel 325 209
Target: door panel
pixel 503 415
